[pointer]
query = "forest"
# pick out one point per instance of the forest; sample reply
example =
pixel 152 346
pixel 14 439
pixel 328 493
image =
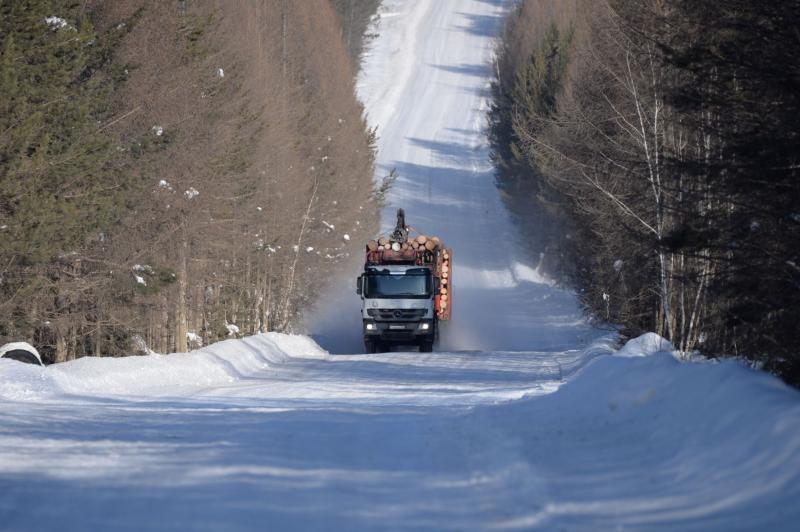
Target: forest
pixel 659 142
pixel 176 173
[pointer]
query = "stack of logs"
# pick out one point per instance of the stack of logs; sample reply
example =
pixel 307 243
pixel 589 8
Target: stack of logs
pixel 422 243
pixel 444 286
pixel 417 243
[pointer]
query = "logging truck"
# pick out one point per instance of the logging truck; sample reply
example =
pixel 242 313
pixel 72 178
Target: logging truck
pixel 406 289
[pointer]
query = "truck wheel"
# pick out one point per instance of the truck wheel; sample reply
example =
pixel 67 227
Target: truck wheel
pixel 426 346
pixel 372 346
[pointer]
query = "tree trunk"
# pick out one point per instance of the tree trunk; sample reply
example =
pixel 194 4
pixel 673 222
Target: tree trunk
pixel 181 324
pixel 61 348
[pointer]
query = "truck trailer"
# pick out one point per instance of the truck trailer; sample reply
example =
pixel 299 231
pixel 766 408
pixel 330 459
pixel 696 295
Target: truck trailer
pixel 406 289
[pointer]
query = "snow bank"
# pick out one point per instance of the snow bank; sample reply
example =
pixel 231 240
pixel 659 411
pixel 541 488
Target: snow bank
pixel 217 364
pixel 646 345
pixel 650 443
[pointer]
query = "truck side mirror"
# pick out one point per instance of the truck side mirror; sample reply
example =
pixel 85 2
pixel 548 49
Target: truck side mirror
pixel 359 283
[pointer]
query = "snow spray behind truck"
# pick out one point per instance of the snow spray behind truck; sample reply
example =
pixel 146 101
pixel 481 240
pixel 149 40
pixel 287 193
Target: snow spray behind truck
pixel 406 289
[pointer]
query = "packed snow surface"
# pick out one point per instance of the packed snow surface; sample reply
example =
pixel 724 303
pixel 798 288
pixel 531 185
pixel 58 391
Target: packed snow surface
pixel 273 433
pixel 527 419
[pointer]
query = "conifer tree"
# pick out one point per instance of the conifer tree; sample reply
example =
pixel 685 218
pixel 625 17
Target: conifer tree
pixel 59 192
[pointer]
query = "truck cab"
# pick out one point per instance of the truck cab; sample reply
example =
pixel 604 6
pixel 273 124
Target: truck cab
pixel 398 306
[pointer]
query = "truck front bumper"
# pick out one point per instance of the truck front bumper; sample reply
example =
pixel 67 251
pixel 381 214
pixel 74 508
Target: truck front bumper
pixel 398 331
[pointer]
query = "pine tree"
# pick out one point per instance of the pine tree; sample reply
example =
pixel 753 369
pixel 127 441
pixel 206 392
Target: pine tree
pixel 59 190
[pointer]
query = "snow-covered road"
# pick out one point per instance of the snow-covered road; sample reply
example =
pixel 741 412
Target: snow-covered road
pixel 425 86
pixel 272 433
pixel 526 420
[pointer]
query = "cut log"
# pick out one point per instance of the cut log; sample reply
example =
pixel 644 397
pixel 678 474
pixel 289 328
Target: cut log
pixel 445 268
pixel 421 239
pixel 430 245
pixel 444 291
pixel 372 245
pixel 383 241
pixel 387 246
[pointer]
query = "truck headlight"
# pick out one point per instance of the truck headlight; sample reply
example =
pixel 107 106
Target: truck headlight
pixel 424 326
pixel 370 326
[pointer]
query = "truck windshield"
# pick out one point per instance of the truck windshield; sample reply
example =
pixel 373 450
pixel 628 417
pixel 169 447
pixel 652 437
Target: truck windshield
pixel 411 285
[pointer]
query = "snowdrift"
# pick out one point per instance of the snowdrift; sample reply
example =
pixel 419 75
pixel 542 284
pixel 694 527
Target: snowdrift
pixel 220 363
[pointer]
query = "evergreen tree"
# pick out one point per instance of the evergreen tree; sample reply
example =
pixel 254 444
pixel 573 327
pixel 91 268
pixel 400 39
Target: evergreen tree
pixel 55 183
pixel 60 192
pixel 740 90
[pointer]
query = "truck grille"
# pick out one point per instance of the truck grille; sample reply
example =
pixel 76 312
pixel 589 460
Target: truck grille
pixel 398 336
pixel 408 314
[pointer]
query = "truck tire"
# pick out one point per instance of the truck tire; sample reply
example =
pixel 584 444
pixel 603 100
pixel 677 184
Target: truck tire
pixel 426 346
pixel 372 346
